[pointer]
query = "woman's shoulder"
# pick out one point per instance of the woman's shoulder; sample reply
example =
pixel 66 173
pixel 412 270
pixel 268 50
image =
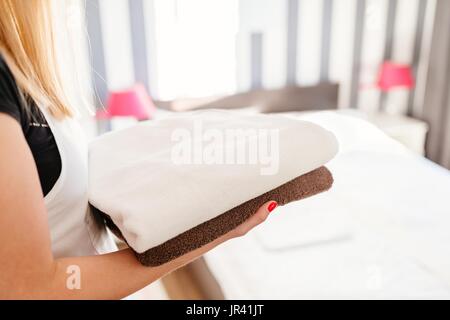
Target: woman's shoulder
pixel 5 72
pixel 2 63
pixel 10 101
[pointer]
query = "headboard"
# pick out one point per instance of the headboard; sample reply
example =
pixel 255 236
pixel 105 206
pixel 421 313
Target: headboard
pixel 291 98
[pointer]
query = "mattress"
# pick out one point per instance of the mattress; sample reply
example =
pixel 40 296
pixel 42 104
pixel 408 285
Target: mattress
pixel 380 233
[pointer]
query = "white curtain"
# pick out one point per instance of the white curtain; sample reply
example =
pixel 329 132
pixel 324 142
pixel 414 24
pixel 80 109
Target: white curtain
pixel 196 47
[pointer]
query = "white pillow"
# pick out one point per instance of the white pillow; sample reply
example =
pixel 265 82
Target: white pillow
pixel 138 178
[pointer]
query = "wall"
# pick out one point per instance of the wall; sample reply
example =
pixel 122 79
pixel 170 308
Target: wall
pixel 436 103
pixel 294 41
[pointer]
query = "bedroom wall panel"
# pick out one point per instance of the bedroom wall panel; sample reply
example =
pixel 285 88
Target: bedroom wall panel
pixel 422 52
pixel 327 22
pixel 269 18
pixel 257 60
pixel 358 27
pixel 404 49
pixel 114 17
pixel 374 41
pixel 309 42
pixel 437 97
pixel 445 154
pixel 390 32
pixel 97 51
pixel 139 42
pixel 150 25
pixel 292 39
pixel 341 48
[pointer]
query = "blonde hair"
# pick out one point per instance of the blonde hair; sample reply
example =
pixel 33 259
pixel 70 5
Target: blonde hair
pixel 27 43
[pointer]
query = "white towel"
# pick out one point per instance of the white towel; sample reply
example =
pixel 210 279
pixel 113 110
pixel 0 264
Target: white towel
pixel 135 179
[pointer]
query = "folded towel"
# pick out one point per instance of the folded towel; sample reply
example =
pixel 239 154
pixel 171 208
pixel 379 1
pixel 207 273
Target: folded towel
pixel 307 185
pixel 164 209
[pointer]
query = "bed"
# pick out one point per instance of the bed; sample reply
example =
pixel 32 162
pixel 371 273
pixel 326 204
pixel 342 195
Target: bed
pixel 382 232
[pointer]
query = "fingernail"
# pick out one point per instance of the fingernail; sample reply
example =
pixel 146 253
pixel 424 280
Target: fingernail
pixel 272 206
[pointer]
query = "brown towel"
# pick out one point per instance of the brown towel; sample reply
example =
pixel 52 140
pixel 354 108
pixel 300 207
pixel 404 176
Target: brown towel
pixel 307 185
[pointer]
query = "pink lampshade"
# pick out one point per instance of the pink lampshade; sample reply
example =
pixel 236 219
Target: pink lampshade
pixel 132 102
pixel 394 75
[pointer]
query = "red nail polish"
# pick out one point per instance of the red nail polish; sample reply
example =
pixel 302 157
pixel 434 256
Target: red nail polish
pixel 272 206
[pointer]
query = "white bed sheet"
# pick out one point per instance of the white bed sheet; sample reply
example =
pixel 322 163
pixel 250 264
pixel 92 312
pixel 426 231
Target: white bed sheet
pixel 383 231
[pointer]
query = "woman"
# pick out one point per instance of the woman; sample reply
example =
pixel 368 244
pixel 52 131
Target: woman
pixel 46 229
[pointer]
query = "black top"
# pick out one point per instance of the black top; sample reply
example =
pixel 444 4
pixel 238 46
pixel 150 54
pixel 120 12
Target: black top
pixel 34 126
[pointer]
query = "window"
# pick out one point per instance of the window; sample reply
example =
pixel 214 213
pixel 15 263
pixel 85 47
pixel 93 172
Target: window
pixel 196 47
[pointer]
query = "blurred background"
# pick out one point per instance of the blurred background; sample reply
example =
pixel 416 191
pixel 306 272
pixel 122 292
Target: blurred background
pixel 387 61
pixel 196 48
pixel 184 49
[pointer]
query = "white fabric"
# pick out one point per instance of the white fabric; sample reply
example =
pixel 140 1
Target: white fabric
pixel 72 227
pixel 133 176
pixel 394 208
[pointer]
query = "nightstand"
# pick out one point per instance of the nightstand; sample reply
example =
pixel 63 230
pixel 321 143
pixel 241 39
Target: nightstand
pixel 408 131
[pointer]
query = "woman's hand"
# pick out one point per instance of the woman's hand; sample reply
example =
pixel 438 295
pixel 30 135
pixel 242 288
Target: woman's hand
pixel 259 217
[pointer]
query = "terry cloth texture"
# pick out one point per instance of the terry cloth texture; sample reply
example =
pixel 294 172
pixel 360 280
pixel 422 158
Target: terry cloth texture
pixel 306 185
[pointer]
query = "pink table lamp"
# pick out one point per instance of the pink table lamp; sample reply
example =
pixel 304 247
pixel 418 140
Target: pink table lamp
pixel 394 75
pixel 132 102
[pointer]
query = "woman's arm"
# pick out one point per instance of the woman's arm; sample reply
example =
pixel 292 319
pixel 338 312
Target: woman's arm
pixel 28 269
